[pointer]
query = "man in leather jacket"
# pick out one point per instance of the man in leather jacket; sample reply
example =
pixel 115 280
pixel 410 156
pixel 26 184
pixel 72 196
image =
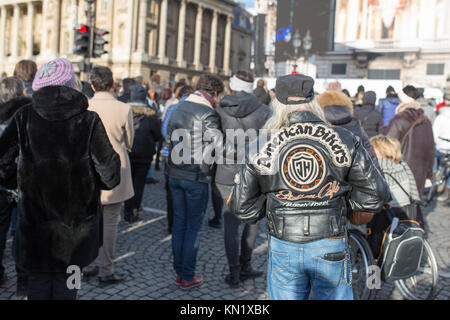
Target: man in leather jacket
pixel 301 178
pixel 192 126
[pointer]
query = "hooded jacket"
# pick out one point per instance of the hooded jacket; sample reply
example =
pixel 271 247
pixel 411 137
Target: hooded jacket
pixel 262 95
pixel 338 111
pixel 371 120
pixel 302 178
pixel 65 158
pixel 418 146
pixel 244 111
pixel 147 132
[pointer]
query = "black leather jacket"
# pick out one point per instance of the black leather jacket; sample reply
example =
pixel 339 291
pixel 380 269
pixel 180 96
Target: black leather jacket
pixel 302 178
pixel 195 119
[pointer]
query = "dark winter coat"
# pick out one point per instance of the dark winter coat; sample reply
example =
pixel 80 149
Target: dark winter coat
pixel 371 120
pixel 262 95
pixel 341 116
pixel 418 147
pixel 65 158
pixel 239 111
pixel 147 132
pixel 8 109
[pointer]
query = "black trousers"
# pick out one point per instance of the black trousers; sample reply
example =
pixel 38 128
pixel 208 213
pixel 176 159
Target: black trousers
pixel 217 202
pixel 138 174
pixel 233 240
pixel 5 220
pixel 50 286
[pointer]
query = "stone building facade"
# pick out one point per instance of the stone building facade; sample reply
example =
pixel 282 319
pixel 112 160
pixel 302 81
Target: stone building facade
pixel 406 40
pixel 175 38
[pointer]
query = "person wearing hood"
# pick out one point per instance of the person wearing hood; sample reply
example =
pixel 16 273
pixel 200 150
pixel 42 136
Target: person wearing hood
pixel 261 92
pixel 12 99
pixel 65 158
pixel 370 119
pixel 338 110
pixel 441 132
pixel 414 131
pixel 127 83
pixel 147 132
pixel 388 105
pixel 241 110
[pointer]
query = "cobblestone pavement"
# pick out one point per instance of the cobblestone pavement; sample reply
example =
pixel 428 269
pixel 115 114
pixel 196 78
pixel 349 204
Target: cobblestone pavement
pixel 143 254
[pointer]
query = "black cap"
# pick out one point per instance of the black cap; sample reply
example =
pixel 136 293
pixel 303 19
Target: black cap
pixel 294 85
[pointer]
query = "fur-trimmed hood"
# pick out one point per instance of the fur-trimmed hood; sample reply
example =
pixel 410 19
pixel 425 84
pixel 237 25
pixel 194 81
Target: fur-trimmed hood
pixel 141 108
pixel 335 98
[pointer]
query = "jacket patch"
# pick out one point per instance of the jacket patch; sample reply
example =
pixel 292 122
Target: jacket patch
pixel 266 160
pixel 303 168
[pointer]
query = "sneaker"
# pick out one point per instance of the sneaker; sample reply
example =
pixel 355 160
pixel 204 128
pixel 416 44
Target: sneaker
pixel 196 281
pixel 247 272
pixel 178 281
pixel 111 279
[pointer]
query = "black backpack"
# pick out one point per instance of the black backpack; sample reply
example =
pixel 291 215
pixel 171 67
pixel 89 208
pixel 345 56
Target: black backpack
pixel 400 252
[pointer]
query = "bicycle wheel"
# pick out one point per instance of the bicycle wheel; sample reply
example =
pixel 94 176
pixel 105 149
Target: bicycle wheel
pixel 361 259
pixel 423 285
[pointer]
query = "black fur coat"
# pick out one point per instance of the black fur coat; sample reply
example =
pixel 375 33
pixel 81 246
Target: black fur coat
pixel 65 158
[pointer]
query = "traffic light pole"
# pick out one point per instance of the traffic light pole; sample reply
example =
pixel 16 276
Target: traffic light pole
pixel 91 16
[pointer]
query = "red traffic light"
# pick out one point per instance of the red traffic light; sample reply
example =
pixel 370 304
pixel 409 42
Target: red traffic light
pixel 82 29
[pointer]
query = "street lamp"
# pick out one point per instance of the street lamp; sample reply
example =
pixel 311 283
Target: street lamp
pixel 307 45
pixel 297 43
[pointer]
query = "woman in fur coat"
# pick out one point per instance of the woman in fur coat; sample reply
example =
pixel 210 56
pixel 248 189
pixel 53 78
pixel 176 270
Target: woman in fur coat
pixel 65 158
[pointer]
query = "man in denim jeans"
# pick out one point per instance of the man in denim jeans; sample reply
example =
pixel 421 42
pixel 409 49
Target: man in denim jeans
pixel 300 179
pixel 189 173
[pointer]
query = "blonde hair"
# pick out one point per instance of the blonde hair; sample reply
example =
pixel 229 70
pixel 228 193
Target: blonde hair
pixel 279 118
pixel 388 147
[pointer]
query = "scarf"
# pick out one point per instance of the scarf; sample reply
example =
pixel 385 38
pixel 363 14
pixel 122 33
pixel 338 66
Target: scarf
pixel 237 85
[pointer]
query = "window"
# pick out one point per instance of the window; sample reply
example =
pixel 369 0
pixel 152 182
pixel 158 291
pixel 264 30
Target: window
pixel 393 74
pixel 339 69
pixel 435 69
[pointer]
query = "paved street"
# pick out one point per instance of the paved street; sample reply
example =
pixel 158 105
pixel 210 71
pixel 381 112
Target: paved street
pixel 144 254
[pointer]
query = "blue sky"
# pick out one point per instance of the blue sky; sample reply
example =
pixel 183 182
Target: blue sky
pixel 248 3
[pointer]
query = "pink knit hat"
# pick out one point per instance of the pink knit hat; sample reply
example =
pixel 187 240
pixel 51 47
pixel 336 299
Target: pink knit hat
pixel 58 72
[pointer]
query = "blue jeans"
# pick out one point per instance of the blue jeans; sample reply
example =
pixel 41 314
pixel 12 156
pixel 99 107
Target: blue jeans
pixel 189 207
pixel 294 270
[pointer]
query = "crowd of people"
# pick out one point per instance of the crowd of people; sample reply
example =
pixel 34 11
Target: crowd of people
pixel 74 155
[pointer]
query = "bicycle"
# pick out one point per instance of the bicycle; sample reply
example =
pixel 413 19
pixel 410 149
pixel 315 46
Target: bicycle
pixel 439 179
pixel 421 286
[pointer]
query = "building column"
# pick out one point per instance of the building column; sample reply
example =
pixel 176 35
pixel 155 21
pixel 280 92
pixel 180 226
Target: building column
pixel 56 32
pixel 181 31
pixel 15 36
pixel 363 34
pixel 163 31
pixel 30 29
pixel 2 30
pixel 198 37
pixel 212 48
pixel 226 55
pixel 143 9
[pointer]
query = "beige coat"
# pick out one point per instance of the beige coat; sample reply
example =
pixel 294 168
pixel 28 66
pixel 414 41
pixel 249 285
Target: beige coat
pixel 117 118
